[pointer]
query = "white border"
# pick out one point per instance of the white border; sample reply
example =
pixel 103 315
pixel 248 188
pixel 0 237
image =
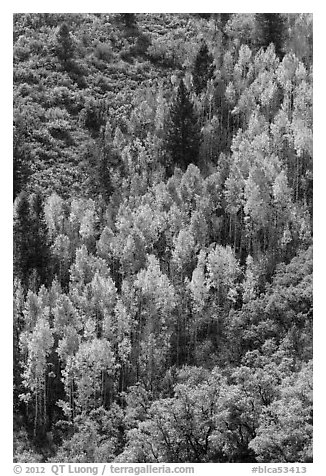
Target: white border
pixel 319 195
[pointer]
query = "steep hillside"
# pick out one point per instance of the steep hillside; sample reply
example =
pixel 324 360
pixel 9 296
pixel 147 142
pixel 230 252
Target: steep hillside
pixel 163 238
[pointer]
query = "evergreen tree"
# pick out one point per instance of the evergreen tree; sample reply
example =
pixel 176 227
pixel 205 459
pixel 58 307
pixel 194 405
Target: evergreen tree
pixel 22 248
pixel 39 241
pixel 182 130
pixel 30 238
pixel 205 16
pixel 224 18
pixel 271 29
pixel 129 19
pixel 21 169
pixel 203 68
pixel 65 45
pixel 103 158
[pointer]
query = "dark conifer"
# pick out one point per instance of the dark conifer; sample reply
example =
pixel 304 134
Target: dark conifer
pixel 21 169
pixel 182 130
pixel 30 239
pixel 22 245
pixel 203 68
pixel 39 238
pixel 65 45
pixel 101 162
pixel 224 18
pixel 129 19
pixel 271 29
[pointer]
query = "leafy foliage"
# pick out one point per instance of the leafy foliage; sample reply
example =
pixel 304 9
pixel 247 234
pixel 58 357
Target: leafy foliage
pixel 163 237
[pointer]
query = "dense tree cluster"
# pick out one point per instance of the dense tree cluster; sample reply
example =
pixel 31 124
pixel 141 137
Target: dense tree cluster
pixel 163 238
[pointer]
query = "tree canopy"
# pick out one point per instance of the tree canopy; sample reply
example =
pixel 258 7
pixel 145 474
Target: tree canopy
pixel 163 238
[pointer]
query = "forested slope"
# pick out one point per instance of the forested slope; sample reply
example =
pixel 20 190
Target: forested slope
pixel 163 237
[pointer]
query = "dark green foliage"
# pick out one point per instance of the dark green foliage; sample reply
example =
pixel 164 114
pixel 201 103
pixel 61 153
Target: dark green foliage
pixel 65 46
pixel 93 116
pixel 40 238
pixel 224 18
pixel 206 16
pixel 129 19
pixel 271 28
pixel 30 240
pixel 203 68
pixel 21 168
pixel 23 250
pixel 182 130
pixel 104 160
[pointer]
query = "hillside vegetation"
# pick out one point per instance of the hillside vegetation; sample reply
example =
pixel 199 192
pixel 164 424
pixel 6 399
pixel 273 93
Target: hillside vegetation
pixel 163 238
